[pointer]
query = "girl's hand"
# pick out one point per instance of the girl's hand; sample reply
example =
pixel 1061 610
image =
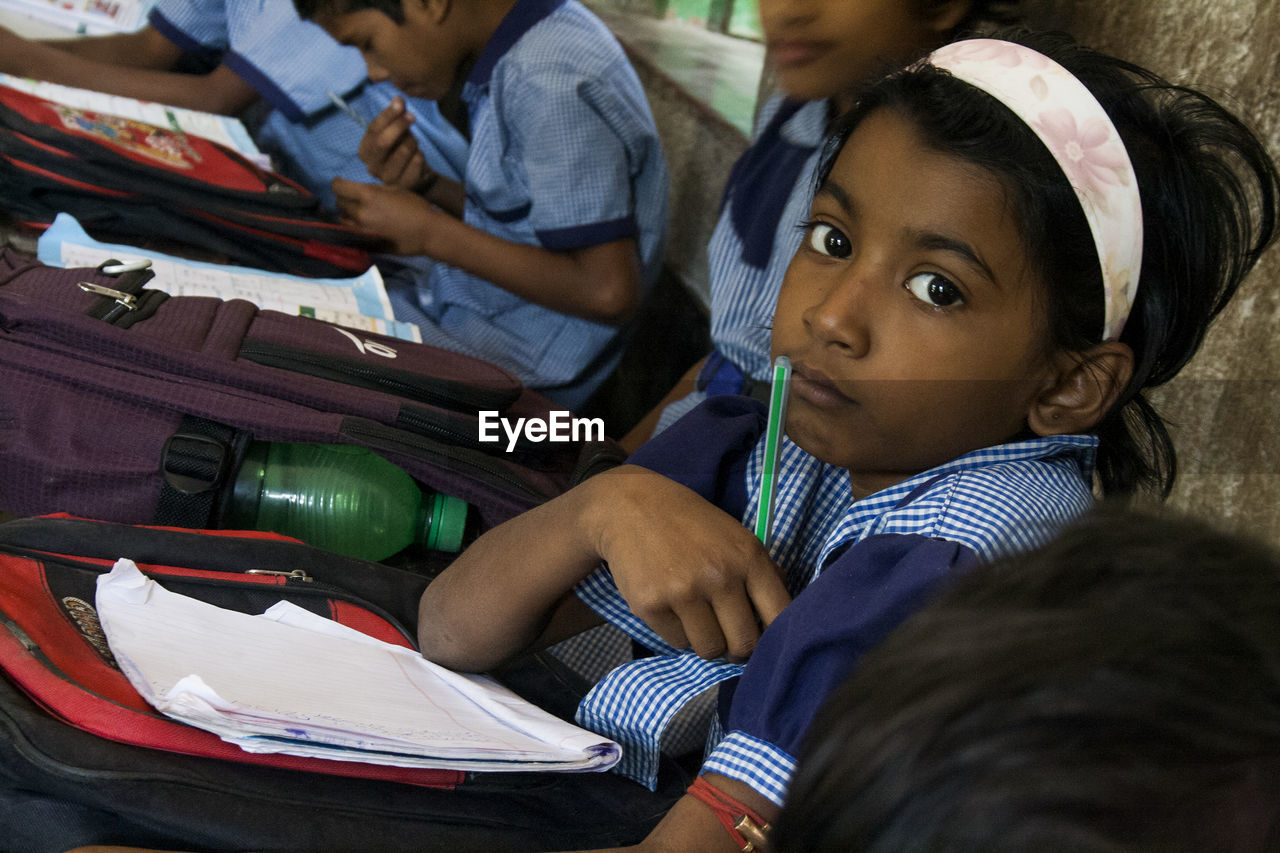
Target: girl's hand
pixel 389 151
pixel 692 572
pixel 400 217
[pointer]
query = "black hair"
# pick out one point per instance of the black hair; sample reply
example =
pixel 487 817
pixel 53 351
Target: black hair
pixel 1209 196
pixel 1117 689
pixel 985 13
pixel 311 9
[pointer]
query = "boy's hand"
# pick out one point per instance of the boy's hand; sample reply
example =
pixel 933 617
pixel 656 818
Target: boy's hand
pixel 692 572
pixel 389 151
pixel 399 217
pixel 13 52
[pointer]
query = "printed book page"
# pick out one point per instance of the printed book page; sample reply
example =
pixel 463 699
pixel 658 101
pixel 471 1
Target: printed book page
pixel 356 303
pixel 276 684
pixel 88 17
pixel 226 130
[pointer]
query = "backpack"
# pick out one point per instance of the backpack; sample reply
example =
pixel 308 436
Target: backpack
pixel 128 181
pixel 121 403
pixel 84 760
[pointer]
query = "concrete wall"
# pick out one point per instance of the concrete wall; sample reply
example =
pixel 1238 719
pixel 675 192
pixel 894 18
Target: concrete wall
pixel 701 147
pixel 1225 405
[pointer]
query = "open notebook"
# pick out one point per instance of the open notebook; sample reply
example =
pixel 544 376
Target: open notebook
pixel 293 682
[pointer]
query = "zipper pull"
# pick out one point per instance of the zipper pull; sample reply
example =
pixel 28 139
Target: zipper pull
pixel 128 300
pixel 296 574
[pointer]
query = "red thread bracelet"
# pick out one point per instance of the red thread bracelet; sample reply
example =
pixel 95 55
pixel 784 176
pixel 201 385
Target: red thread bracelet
pixel 733 815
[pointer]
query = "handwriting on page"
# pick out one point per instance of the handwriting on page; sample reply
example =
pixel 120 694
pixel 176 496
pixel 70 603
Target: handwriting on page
pixel 278 684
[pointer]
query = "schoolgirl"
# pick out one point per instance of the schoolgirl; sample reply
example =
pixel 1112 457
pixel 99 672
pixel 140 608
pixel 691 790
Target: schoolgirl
pixel 1008 245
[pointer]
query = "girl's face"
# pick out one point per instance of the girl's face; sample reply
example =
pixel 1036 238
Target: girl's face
pixel 822 48
pixel 910 313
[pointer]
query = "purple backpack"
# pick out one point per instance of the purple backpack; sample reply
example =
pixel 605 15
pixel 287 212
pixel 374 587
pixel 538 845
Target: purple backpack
pixel 121 403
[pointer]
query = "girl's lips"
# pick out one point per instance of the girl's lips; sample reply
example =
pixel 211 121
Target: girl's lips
pixel 791 54
pixel 817 388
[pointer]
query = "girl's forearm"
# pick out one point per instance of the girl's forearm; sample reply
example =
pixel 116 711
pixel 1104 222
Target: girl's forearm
pixel 501 594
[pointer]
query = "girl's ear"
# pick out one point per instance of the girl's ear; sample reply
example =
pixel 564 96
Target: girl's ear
pixel 942 16
pixel 1086 386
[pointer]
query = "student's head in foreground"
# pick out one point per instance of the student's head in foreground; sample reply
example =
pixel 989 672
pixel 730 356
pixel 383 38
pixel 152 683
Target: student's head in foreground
pixel 1118 689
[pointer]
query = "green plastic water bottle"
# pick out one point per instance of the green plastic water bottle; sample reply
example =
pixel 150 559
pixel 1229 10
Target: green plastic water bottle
pixel 341 498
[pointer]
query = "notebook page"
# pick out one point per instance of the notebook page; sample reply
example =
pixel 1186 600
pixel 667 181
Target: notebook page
pixel 246 677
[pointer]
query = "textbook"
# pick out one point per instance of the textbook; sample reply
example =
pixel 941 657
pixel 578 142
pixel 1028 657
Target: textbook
pixel 292 682
pixel 226 130
pixel 87 17
pixel 359 302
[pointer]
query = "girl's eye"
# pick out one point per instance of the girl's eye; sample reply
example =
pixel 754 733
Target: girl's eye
pixel 935 290
pixel 828 240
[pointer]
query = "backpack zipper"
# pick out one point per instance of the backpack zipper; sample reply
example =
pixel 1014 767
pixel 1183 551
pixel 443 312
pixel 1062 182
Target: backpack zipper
pixel 447 395
pixel 129 301
pixel 466 461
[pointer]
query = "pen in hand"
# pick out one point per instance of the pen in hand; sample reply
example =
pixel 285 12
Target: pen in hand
pixel 346 108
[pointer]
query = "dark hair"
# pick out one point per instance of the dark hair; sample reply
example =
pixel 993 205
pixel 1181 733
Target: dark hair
pixel 1209 196
pixel 1118 689
pixel 984 12
pixel 311 9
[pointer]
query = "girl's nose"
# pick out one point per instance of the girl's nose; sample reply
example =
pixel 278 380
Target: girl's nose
pixel 842 316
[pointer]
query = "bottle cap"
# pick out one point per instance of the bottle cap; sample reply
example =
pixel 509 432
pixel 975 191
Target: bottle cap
pixel 246 491
pixel 446 522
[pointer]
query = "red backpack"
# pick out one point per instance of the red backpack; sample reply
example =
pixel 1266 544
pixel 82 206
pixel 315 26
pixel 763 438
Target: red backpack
pixel 128 181
pixel 84 759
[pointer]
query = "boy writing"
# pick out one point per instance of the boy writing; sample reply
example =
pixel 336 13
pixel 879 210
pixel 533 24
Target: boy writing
pixel 561 231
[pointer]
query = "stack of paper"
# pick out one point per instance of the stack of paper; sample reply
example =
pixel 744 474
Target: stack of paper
pixel 293 682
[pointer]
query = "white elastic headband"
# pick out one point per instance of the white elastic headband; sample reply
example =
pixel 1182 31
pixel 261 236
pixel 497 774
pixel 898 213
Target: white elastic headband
pixel 1080 136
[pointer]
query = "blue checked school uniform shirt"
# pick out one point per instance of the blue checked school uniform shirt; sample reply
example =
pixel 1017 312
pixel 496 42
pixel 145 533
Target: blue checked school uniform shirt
pixel 564 155
pixel 294 65
pixel 855 570
pixel 767 197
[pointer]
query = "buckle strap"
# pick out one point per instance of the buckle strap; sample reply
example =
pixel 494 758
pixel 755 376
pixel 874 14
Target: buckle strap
pixel 194 466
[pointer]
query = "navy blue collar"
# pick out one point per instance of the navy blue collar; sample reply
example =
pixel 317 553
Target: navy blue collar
pixel 761 181
pixel 522 18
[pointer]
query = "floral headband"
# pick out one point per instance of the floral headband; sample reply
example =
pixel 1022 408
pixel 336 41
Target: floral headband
pixel 1080 136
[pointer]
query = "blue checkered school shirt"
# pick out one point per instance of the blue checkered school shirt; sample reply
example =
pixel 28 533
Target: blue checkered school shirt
pixel 756 235
pixel 564 155
pixel 991 501
pixel 293 64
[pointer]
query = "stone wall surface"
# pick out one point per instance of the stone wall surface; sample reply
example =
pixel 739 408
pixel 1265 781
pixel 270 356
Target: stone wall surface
pixel 1225 405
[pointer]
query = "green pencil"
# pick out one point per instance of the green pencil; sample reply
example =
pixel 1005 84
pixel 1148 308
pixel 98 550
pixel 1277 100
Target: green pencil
pixel 773 442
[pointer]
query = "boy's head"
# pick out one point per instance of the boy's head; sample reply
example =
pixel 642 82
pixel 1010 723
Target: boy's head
pixel 421 46
pixel 1118 689
pixel 1197 169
